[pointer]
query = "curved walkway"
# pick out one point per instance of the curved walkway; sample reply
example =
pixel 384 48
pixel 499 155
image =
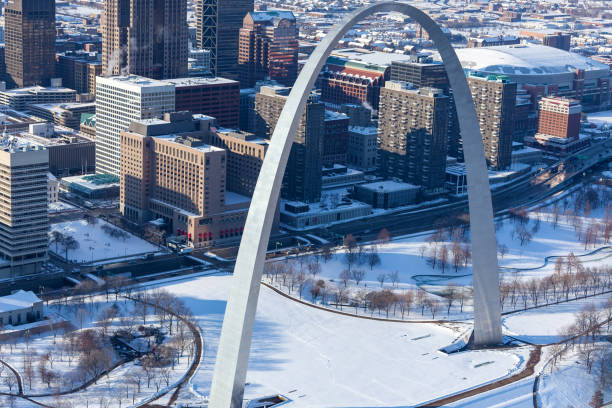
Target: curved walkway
pixel 177 386
pixel 199 345
pixel 534 359
pixel 17 376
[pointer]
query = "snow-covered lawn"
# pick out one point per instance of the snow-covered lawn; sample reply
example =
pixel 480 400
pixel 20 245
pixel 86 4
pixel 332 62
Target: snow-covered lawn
pixel 409 257
pixel 116 389
pixel 542 325
pixel 570 384
pixel 318 358
pixel 60 206
pixel 95 244
pixel 601 118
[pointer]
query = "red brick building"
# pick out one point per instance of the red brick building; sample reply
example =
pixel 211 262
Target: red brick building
pixel 560 117
pixel 345 81
pixel 216 97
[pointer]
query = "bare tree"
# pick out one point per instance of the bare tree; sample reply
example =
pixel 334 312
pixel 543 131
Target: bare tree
pixel 345 277
pixel 434 306
pixel 381 279
pixel 373 257
pixel 419 299
pixel 326 252
pixel 443 257
pixel 394 278
pixel 503 250
pixel 450 295
pixel 383 237
pixel 358 275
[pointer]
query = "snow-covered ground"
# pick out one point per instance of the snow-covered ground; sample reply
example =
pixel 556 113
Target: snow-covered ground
pixel 542 325
pixel 108 389
pixel 318 358
pixel 408 256
pixel 570 384
pixel 95 244
pixel 601 118
pixel 60 206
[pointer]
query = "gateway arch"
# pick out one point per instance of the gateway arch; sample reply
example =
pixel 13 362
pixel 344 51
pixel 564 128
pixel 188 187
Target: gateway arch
pixel 233 354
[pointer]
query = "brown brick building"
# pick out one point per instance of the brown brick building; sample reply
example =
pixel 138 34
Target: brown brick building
pixel 495 100
pixel 245 154
pixel 412 135
pixel 169 172
pixel 268 48
pixel 302 179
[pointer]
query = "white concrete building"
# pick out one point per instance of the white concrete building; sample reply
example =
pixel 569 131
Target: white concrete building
pixel 119 101
pixel 24 219
pixel 19 308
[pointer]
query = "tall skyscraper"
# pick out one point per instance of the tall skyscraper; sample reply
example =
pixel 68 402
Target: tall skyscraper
pixel 24 221
pixel 30 42
pixel 495 100
pixel 218 24
pixel 268 48
pixel 147 38
pixel 119 101
pixel 302 180
pixel 412 132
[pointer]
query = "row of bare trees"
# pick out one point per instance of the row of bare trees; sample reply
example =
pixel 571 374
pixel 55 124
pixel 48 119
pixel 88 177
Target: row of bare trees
pixel 569 280
pixel 584 338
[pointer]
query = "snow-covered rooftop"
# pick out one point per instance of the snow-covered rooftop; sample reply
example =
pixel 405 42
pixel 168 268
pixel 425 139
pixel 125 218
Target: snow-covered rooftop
pixel 526 59
pixel 18 300
pixel 388 186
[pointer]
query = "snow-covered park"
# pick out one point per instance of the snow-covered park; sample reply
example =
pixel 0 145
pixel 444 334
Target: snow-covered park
pixel 321 359
pixel 115 352
pixel 96 240
pixel 533 245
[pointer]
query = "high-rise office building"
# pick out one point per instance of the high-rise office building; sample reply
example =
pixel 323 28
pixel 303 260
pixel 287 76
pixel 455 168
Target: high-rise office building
pixel 268 48
pixel 218 24
pixel 495 100
pixel 78 70
pixel 412 133
pixel 147 38
pixel 302 180
pixel 216 97
pixel 421 71
pixel 335 138
pixel 24 221
pixel 119 101
pixel 30 42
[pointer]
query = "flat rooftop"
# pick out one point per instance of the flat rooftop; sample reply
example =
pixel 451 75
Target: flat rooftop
pixel 206 148
pixel 18 300
pixel 196 81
